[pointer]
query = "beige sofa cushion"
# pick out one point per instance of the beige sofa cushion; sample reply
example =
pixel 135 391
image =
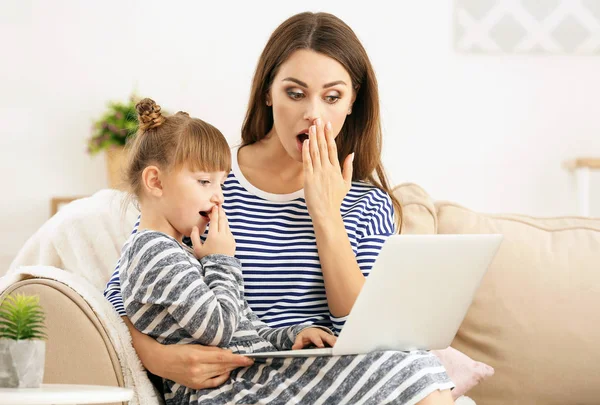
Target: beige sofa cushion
pixel 536 316
pixel 418 211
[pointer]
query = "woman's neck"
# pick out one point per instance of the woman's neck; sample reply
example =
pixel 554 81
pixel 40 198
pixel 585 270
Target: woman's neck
pixel 267 165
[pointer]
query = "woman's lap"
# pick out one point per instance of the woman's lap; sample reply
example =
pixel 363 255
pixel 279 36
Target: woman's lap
pixel 379 377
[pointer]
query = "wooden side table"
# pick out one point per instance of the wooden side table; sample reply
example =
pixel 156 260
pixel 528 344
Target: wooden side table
pixel 58 394
pixel 582 168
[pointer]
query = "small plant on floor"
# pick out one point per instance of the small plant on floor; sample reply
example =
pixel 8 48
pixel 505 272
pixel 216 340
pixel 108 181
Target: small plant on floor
pixel 21 318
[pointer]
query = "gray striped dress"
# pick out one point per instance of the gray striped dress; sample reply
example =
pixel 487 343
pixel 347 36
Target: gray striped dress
pixel 170 295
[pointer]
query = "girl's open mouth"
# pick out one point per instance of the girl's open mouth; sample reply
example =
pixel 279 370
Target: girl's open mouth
pixel 204 215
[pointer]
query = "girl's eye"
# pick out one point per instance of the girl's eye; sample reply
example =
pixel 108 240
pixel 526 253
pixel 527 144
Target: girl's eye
pixel 222 186
pixel 295 95
pixel 204 182
pixel 332 99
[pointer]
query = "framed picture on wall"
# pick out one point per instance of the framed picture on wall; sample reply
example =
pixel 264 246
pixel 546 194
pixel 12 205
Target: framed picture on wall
pixel 527 26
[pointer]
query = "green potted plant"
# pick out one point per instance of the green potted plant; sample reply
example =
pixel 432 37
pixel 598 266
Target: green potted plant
pixel 22 342
pixel 111 132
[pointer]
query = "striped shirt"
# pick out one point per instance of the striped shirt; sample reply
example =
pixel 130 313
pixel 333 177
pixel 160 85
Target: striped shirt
pixel 276 244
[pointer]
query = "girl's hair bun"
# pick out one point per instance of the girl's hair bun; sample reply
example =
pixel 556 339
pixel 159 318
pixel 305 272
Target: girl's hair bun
pixel 149 115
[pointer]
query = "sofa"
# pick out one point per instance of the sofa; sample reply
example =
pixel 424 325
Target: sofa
pixel 535 317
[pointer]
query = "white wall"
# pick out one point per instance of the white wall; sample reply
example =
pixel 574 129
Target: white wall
pixel 489 132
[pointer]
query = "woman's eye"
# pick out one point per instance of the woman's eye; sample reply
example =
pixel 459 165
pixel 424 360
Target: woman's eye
pixel 295 95
pixel 332 99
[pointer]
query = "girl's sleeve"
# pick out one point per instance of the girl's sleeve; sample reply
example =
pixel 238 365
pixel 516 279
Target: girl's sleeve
pixel 282 338
pixel 162 274
pixel 377 226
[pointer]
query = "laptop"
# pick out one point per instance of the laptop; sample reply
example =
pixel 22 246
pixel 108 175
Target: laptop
pixel 416 296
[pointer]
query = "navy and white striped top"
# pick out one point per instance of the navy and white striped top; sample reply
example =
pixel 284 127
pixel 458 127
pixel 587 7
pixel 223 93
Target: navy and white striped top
pixel 275 241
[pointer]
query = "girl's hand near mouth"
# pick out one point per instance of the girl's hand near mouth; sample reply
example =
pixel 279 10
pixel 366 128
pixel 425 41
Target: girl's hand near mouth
pixel 219 239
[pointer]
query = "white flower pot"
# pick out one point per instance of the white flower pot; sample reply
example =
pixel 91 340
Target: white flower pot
pixel 22 363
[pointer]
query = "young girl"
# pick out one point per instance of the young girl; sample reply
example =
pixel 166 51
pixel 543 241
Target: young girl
pixel 177 294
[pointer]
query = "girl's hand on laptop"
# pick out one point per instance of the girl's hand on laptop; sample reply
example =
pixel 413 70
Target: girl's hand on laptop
pixel 314 336
pixel 219 239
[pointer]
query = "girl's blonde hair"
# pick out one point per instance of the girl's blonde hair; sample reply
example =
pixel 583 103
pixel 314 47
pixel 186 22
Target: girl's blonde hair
pixel 172 142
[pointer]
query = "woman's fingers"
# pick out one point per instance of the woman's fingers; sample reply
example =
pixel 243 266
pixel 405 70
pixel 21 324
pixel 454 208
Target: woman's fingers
pixel 213 370
pixel 313 145
pixel 216 363
pixel 331 146
pixel 322 143
pixel 306 159
pixel 215 381
pixel 206 366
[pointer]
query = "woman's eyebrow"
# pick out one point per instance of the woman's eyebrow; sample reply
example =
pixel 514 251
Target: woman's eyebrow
pixel 298 82
pixel 334 84
pixel 302 84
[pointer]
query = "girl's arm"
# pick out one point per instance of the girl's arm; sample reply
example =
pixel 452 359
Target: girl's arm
pixel 193 366
pixel 207 307
pixel 283 338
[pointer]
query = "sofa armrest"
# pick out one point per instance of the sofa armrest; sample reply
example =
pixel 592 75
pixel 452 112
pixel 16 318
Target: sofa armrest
pixel 78 349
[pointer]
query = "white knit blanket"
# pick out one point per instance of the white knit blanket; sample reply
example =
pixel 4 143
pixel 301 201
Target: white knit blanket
pixel 84 238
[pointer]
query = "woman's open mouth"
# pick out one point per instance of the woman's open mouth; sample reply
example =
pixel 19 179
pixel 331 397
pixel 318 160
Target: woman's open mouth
pixel 300 138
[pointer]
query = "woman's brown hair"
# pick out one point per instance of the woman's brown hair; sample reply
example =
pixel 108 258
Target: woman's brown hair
pixel 171 142
pixel 361 133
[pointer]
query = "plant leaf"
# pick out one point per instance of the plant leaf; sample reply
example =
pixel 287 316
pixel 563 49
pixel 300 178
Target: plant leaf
pixel 21 317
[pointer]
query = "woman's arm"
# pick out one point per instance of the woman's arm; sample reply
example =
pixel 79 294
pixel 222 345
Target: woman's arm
pixel 325 186
pixel 192 366
pixel 341 273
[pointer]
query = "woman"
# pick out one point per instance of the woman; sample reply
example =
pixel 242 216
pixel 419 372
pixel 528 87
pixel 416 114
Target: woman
pixel 307 228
